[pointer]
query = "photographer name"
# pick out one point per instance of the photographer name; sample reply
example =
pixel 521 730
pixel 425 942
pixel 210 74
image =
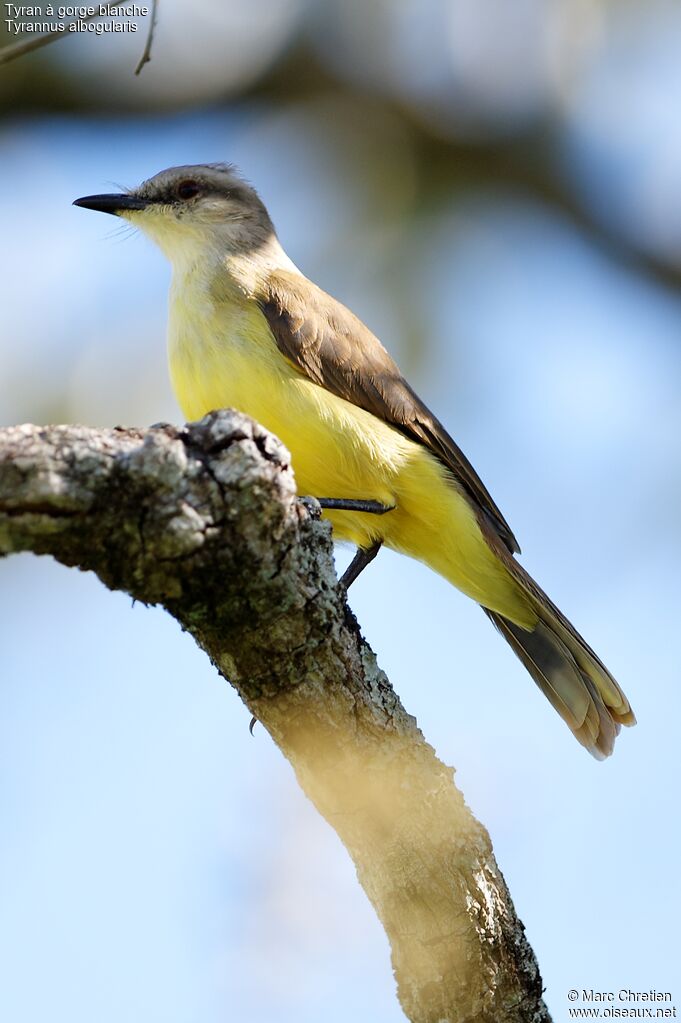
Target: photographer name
pixel 625 995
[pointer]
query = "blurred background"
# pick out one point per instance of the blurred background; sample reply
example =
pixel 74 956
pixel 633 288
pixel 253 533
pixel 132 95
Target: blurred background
pixel 496 190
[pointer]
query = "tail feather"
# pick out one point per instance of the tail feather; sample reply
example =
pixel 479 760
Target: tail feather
pixel 567 671
pixel 567 687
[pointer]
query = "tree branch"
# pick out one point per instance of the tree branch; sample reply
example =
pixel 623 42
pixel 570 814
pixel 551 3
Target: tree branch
pixel 205 521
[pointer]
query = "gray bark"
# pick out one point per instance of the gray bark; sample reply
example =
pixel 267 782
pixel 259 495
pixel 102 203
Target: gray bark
pixel 205 521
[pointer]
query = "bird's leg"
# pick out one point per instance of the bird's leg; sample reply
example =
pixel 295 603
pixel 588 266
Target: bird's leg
pixel 363 557
pixel 347 504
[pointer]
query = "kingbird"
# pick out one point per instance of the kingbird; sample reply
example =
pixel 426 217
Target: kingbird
pixel 248 330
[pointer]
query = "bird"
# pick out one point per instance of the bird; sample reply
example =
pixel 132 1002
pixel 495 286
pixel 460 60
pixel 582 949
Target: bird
pixel 248 330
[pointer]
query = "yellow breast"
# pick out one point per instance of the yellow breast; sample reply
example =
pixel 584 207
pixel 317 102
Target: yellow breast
pixel 222 355
pixel 226 357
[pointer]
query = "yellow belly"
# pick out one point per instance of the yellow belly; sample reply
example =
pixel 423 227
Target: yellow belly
pixel 339 450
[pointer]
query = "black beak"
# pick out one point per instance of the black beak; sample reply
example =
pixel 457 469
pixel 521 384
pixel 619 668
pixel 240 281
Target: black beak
pixel 111 203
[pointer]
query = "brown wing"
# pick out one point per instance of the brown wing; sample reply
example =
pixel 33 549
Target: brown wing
pixel 327 343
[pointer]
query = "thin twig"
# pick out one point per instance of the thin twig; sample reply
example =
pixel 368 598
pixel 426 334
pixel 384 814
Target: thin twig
pixel 146 55
pixel 34 42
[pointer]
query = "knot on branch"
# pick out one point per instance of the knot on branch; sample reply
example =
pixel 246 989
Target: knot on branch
pixel 147 510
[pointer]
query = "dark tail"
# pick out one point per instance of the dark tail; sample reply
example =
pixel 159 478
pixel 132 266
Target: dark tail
pixel 568 672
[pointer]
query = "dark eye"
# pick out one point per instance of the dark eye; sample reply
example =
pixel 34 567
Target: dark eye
pixel 187 189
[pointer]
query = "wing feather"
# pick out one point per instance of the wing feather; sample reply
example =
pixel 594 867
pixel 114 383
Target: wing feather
pixel 333 348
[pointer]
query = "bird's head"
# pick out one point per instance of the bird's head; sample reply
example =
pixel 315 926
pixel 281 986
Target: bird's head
pixel 204 207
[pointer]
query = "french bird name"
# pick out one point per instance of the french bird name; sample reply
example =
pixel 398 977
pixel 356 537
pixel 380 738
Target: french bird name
pixel 16 24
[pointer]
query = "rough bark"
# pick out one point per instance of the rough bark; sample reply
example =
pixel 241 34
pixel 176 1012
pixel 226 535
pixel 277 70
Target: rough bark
pixel 205 521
